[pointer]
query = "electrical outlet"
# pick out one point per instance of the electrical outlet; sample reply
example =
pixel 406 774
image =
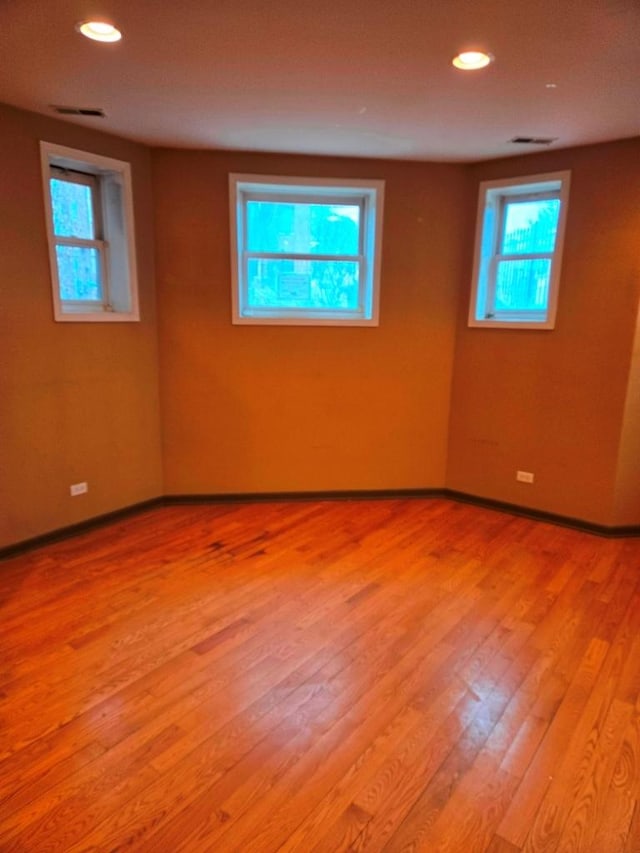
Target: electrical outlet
pixel 78 489
pixel 524 476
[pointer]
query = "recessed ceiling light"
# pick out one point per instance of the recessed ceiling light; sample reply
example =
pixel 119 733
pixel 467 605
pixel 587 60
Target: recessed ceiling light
pixel 551 85
pixel 99 31
pixel 471 60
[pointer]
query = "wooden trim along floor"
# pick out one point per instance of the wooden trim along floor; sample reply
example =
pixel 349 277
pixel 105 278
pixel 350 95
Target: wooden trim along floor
pixel 268 497
pixel 389 675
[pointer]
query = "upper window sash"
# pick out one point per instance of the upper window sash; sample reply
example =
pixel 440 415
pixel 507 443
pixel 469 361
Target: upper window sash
pixel 70 176
pixel 303 198
pixel 503 202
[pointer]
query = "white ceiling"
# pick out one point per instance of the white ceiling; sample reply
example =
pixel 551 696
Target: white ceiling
pixel 348 77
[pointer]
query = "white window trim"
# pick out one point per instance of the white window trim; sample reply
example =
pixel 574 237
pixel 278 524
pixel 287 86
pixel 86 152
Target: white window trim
pixel 368 194
pixel 101 167
pixel 551 184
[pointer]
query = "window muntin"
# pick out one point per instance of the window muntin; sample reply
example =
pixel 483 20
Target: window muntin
pixel 305 251
pixel 89 216
pixel 518 251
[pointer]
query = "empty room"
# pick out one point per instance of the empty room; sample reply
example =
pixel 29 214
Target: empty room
pixel 320 426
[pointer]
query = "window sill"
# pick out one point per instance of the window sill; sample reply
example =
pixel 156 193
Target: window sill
pixel 542 325
pixel 309 319
pixel 96 317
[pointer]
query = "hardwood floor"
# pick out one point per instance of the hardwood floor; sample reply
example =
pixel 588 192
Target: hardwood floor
pixel 394 675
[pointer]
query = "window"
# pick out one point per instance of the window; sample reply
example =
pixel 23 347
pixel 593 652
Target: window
pixel 305 251
pixel 89 214
pixel 518 252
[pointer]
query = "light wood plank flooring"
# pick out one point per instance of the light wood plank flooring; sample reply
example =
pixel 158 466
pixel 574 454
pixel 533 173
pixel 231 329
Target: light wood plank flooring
pixel 394 675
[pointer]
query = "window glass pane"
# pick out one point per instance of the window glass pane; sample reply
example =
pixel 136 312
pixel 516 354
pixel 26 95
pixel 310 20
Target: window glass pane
pixel 523 285
pixel 311 229
pixel 530 226
pixel 315 285
pixel 72 209
pixel 79 273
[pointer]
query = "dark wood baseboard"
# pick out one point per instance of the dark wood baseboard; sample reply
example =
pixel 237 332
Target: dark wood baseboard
pixel 355 494
pixel 541 515
pixel 346 495
pixel 74 529
pixel 381 494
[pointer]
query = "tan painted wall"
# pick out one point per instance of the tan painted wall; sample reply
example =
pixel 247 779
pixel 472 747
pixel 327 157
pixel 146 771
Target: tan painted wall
pixel 552 402
pixel 268 409
pixel 627 487
pixel 78 401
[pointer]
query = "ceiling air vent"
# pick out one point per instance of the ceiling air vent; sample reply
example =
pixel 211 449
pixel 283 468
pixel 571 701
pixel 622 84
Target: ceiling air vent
pixel 94 112
pixel 533 140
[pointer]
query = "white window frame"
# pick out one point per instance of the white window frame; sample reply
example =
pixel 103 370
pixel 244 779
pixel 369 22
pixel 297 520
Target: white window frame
pixel 492 200
pixel 112 196
pixel 368 195
pixel 97 242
